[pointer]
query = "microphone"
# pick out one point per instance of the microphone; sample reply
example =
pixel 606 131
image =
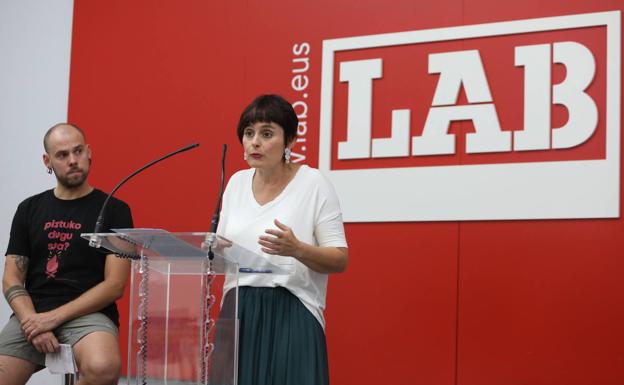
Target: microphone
pixel 214 223
pixel 94 240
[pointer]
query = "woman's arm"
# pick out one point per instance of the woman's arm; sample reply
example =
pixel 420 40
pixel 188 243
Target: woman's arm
pixel 320 259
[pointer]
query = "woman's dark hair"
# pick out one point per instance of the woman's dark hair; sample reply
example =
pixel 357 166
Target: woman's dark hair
pixel 267 109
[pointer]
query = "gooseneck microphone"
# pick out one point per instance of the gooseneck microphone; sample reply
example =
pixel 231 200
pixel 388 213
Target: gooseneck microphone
pixel 214 223
pixel 95 241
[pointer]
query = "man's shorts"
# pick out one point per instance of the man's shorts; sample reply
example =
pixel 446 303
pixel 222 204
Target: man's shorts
pixel 14 344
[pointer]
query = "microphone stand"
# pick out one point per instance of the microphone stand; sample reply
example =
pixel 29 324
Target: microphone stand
pixel 214 223
pixel 95 240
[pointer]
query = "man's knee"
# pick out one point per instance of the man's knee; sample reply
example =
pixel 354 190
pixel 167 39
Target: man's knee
pixel 100 370
pixel 98 358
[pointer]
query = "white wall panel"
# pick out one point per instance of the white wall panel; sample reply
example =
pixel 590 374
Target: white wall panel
pixel 35 41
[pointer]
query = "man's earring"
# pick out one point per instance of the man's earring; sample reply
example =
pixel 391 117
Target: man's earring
pixel 49 170
pixel 287 154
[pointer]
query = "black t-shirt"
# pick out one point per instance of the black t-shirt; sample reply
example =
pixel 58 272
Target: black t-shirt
pixel 61 264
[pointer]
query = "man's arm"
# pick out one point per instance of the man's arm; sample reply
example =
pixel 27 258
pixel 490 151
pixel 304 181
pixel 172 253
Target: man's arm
pixel 15 268
pixel 106 292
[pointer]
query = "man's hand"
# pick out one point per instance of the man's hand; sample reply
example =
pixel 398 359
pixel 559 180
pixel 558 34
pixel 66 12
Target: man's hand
pixel 38 323
pixel 45 342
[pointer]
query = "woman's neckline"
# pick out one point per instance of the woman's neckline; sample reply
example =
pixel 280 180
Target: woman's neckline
pixel 279 194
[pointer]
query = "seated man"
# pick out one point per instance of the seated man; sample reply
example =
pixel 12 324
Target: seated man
pixel 60 289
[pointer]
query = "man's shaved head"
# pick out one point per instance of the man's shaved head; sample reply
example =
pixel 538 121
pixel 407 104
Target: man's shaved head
pixel 57 126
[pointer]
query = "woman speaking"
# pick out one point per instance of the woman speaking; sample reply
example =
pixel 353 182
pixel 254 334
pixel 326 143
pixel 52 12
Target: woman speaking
pixel 290 214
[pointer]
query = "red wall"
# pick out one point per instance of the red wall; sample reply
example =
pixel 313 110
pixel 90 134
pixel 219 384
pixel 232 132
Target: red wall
pixel 470 303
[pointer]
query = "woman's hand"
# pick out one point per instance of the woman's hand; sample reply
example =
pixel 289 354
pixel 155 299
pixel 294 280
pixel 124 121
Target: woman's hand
pixel 281 241
pixel 323 260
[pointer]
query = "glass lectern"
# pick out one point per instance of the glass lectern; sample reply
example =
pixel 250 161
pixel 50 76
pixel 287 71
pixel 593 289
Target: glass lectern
pixel 177 332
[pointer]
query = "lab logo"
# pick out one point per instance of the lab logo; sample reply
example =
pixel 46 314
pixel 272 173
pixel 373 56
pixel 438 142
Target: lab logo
pixel 509 120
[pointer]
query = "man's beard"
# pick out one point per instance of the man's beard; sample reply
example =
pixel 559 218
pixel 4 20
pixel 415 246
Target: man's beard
pixel 73 181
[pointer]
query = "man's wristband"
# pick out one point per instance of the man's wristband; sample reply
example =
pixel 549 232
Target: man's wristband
pixel 15 291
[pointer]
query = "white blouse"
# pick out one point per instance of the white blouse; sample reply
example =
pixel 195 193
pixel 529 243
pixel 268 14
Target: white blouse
pixel 309 206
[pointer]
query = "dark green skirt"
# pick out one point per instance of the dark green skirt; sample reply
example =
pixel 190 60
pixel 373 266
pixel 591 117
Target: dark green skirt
pixel 280 341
